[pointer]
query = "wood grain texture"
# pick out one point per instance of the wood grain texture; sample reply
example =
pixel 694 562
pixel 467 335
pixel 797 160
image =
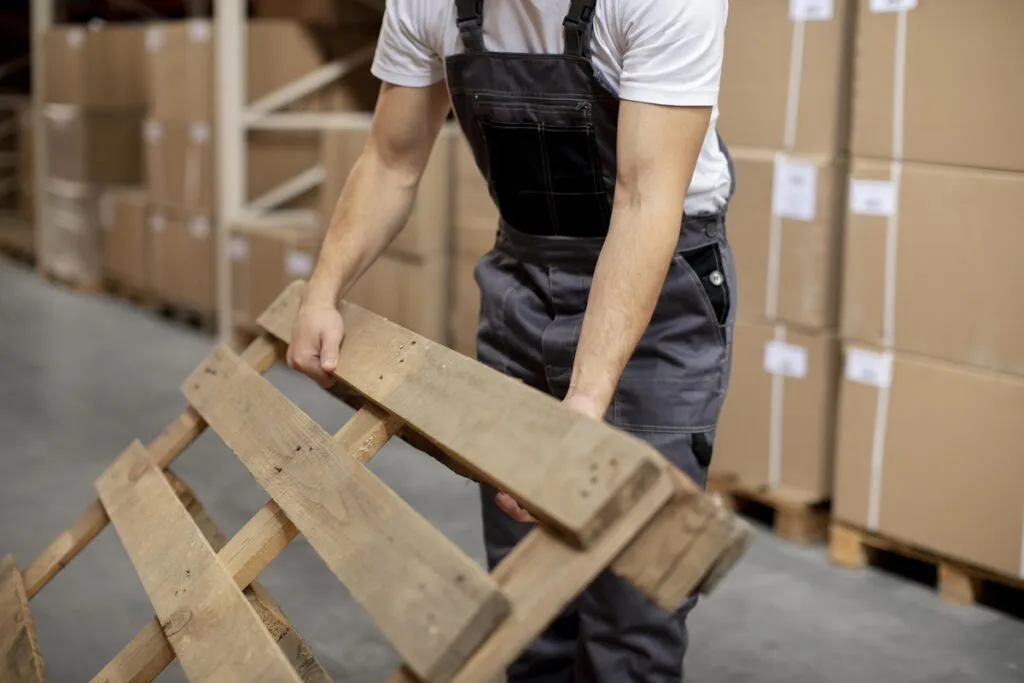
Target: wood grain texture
pixel 261 354
pixel 209 623
pixel 539 577
pixel 432 602
pixel 20 659
pixel 247 554
pixel 690 539
pixel 576 475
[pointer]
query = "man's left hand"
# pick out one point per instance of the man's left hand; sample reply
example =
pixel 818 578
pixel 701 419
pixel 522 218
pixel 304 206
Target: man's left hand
pixel 584 406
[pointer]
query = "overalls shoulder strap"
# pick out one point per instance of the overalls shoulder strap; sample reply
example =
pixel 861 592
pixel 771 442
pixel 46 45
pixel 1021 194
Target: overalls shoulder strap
pixel 577 25
pixel 469 15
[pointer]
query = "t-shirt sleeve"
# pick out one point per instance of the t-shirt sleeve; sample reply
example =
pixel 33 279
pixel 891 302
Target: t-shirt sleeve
pixel 406 52
pixel 672 51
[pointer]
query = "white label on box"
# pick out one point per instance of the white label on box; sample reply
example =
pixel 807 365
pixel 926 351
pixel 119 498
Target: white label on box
pixel 199 227
pixel 787 360
pixel 199 31
pixel 153 131
pixel 76 37
pixel 154 38
pixel 872 197
pixel 200 132
pixel 157 222
pixel 892 5
pixel 811 10
pixel 795 189
pixel 298 263
pixel 869 367
pixel 239 248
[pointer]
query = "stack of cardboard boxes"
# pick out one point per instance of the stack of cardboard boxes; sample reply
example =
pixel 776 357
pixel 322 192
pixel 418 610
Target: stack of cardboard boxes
pixel 475 228
pixel 409 283
pixel 95 95
pixel 930 427
pixel 179 144
pixel 785 117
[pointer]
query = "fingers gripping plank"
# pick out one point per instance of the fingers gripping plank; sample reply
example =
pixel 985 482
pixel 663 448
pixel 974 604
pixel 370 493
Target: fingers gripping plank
pixel 432 602
pixel 248 553
pixel 574 474
pixel 209 623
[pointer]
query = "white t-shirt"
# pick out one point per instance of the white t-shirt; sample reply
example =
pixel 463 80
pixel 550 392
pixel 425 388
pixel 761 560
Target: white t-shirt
pixel 658 51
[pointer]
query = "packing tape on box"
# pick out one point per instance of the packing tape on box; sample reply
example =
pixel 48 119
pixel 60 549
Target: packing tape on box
pixel 794 182
pixel 781 360
pixel 874 369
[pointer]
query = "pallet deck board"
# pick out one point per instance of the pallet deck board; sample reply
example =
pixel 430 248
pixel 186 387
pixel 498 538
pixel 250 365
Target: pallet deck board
pixel 20 659
pixel 794 515
pixel 463 406
pixel 208 622
pixel 956 581
pixel 433 602
pixel 247 553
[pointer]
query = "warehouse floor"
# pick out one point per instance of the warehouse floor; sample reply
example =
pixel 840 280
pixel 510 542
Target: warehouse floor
pixel 81 376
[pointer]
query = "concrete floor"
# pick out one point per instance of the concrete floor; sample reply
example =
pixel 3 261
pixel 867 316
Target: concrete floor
pixel 80 377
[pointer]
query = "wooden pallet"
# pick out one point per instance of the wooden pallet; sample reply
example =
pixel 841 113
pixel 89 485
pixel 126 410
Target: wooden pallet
pixel 17 240
pixel 130 293
pixel 205 321
pixel 80 286
pixel 794 516
pixel 955 581
pixel 604 498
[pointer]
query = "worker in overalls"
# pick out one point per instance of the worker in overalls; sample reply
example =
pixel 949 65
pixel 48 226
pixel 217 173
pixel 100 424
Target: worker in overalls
pixel 593 122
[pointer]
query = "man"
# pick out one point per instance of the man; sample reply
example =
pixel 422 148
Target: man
pixel 593 122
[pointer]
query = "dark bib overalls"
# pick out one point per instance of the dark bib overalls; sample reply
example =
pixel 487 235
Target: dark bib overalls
pixel 543 132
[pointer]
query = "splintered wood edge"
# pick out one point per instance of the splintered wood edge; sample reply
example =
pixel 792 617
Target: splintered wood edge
pixel 15 620
pixel 581 518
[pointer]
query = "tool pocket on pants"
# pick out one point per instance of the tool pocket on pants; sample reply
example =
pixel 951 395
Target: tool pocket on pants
pixel 707 269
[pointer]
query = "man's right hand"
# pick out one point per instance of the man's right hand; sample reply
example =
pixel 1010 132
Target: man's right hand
pixel 316 339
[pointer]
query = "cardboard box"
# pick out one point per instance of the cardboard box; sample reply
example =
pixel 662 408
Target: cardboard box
pixel 954 239
pixel 264 261
pixel 957 47
pixel 428 232
pixel 777 425
pixel 72 236
pixel 181 172
pixel 100 65
pixel 26 165
pixel 126 236
pixel 180 63
pixel 181 257
pixel 785 229
pixel 928 453
pixel 779 74
pixel 93 145
pixel 412 293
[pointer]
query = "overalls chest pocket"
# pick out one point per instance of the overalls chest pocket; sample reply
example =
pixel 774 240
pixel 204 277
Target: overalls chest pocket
pixel 543 164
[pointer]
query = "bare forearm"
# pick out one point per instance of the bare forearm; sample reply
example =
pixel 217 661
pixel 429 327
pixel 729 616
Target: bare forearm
pixel 371 211
pixel 627 282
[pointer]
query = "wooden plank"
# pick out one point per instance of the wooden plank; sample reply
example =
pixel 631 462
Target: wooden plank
pixel 691 539
pixel 248 553
pixel 20 660
pixel 261 354
pixel 209 623
pixel 433 603
pixel 540 576
pixel 574 474
pixel 295 649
